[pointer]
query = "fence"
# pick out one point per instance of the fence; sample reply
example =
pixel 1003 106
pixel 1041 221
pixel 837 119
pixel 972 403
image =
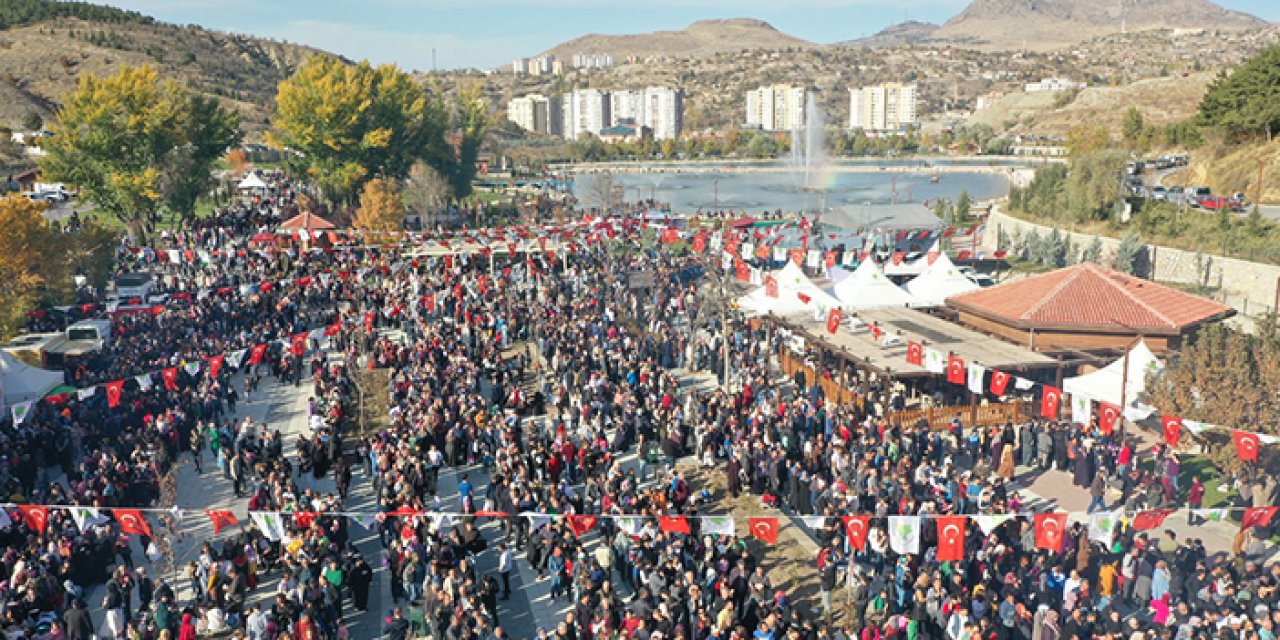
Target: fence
pixel 831 389
pixel 969 415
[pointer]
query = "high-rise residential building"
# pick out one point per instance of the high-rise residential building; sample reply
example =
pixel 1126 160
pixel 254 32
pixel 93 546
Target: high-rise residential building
pixel 778 107
pixel 592 61
pixel 537 113
pixel 520 66
pixel 626 105
pixel 585 111
pixel 883 107
pixel 663 112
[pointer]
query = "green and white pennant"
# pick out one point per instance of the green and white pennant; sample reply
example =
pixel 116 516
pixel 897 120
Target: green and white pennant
pixel 20 411
pixel 269 523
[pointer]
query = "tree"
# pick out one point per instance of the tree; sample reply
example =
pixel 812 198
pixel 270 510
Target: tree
pixel 381 208
pixel 1093 253
pixel 1093 184
pixel 1131 255
pixel 964 203
pixel 1133 127
pixel 121 140
pixel 1246 103
pixel 349 123
pixel 428 191
pixel 237 160
pixel 1083 140
pixel 32 121
pixel 473 124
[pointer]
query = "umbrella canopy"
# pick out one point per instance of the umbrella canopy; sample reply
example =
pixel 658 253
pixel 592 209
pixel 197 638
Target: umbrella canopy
pixel 252 181
pixel 307 221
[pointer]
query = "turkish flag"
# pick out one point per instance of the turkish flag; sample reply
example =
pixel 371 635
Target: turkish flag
pixel 829 259
pixel 673 524
pixel 1257 517
pixel 1050 528
pixel 932 256
pixel 581 524
pixel 1147 520
pixel 742 271
pixel 955 370
pixel 215 365
pixel 833 320
pixel 259 351
pixel 1049 402
pixel 699 243
pixel 35 516
pixel 951 538
pixel 333 329
pixel 1247 445
pixel 999 382
pixel 764 529
pixel 1172 428
pixel 797 256
pixel 771 286
pixel 221 519
pixel 512 248
pixel 299 344
pixel 855 529
pixel 170 377
pixel 304 281
pixel 804 298
pixel 266 286
pixel 306 518
pixel 132 522
pixel 542 244
pixel 1108 417
pixel 113 393
pixel 898 256
pixel 915 353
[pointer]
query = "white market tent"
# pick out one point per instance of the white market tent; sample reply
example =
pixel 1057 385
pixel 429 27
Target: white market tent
pixel 939 281
pixel 793 288
pixel 20 382
pixel 868 288
pixel 1104 384
pixel 251 182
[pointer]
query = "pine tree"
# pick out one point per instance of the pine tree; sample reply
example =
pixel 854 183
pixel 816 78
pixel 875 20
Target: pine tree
pixel 1093 253
pixel 1131 255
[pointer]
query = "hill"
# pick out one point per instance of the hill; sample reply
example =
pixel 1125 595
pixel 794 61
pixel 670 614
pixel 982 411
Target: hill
pixel 42 57
pixel 701 38
pixel 1043 25
pixel 895 35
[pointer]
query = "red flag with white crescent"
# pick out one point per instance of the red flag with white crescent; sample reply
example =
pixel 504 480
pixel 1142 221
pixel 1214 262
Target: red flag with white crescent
pixel 36 517
pixel 1247 445
pixel 673 524
pixel 915 353
pixel 1172 428
pixel 951 535
pixel 999 382
pixel 1050 401
pixel 215 365
pixel 833 320
pixel 581 524
pixel 258 353
pixel 1257 517
pixel 1050 528
pixel 170 377
pixel 113 393
pixel 221 518
pixel 855 529
pixel 764 529
pixel 771 286
pixel 1108 417
pixel 1150 519
pixel 956 370
pixel 132 522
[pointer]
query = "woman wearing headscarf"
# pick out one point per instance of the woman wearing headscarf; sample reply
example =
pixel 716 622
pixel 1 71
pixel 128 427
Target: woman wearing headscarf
pixel 188 629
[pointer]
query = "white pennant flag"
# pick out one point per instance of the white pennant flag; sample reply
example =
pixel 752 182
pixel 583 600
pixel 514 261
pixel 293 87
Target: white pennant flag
pixel 988 523
pixel 85 393
pixel 1102 526
pixel 934 361
pixel 441 521
pixel 144 381
pixel 1215 515
pixel 718 525
pixel 365 520
pixel 86 517
pixel 269 523
pixel 1023 384
pixel 975 378
pixel 537 520
pixel 5 520
pixel 316 334
pixel 814 522
pixel 20 411
pixel 235 358
pixel 904 534
pixel 192 368
pixel 1081 408
pixel 629 525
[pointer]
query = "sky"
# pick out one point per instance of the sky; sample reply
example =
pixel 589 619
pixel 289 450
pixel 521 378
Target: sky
pixel 491 33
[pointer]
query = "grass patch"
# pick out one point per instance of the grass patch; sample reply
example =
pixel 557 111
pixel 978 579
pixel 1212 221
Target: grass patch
pixel 1200 466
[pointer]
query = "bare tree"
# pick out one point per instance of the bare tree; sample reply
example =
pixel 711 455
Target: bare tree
pixel 599 190
pixel 429 192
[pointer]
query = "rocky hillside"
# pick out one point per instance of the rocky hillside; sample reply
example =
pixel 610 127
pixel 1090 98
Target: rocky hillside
pixel 41 62
pixel 1043 25
pixel 895 35
pixel 701 38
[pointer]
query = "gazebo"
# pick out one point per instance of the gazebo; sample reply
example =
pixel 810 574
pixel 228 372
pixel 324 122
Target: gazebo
pixel 308 226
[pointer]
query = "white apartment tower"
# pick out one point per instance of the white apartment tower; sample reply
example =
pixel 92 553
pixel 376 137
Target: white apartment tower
pixel 663 112
pixel 776 108
pixel 585 111
pixel 537 113
pixel 884 107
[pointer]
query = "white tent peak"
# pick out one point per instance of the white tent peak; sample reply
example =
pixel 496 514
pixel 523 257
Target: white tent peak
pixel 792 284
pixel 868 288
pixel 252 181
pixel 1104 384
pixel 21 382
pixel 939 281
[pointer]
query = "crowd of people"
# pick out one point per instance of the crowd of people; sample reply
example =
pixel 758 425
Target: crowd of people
pixel 548 388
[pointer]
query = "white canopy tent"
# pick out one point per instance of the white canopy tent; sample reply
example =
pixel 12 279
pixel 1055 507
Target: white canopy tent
pixel 1104 385
pixel 794 287
pixel 21 382
pixel 939 281
pixel 868 288
pixel 251 182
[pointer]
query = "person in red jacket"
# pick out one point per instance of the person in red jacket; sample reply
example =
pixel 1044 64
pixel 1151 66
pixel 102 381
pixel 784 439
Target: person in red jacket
pixel 1195 498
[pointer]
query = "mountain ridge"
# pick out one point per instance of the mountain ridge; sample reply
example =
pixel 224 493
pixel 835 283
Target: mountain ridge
pixel 700 38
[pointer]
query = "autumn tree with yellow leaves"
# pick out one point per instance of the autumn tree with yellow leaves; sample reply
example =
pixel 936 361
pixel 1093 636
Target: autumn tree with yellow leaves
pixel 133 144
pixel 381 211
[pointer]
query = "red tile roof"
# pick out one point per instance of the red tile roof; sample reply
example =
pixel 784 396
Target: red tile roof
pixel 1089 295
pixel 308 221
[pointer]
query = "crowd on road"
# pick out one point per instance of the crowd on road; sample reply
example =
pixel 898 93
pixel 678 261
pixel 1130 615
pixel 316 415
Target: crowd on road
pixel 550 386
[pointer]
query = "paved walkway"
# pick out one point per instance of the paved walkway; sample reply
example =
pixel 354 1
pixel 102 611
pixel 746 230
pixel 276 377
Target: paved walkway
pixel 282 407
